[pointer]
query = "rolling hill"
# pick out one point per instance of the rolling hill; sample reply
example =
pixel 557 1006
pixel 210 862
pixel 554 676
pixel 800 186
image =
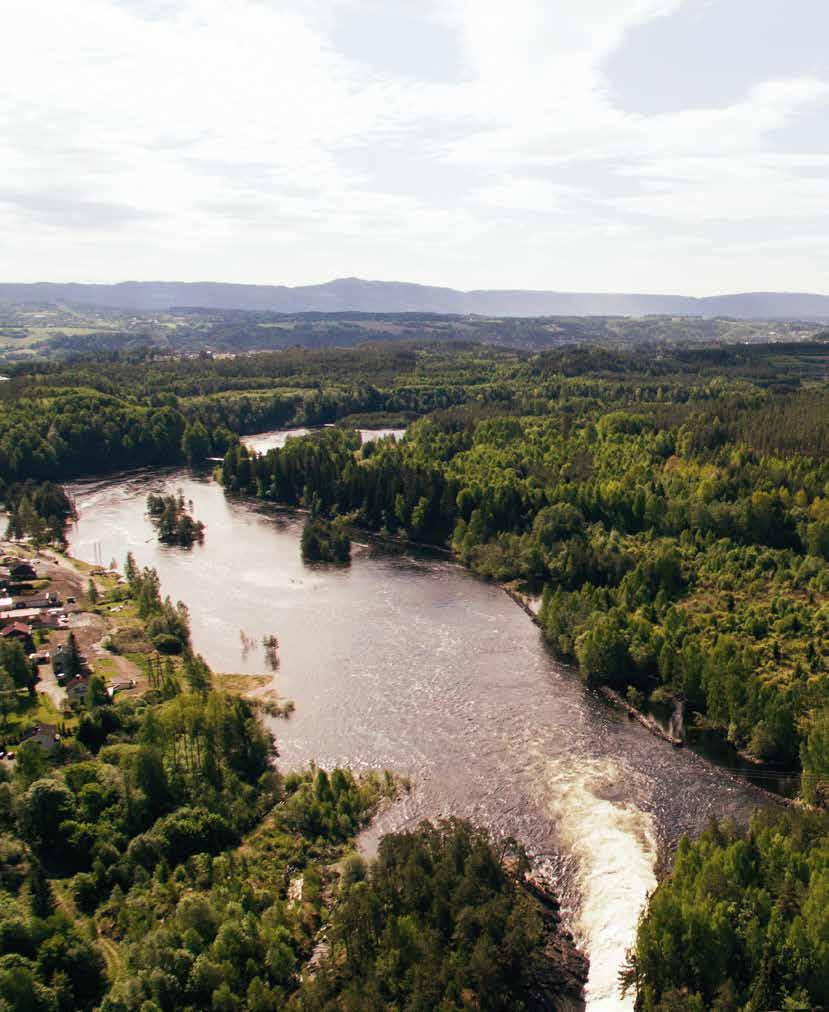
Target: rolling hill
pixel 355 294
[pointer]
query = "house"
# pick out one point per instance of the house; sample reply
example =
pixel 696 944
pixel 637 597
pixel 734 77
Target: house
pixel 59 661
pixel 76 690
pixel 20 632
pixel 40 601
pixel 22 571
pixel 16 630
pixel 60 656
pixel 45 735
pixel 114 687
pixel 24 614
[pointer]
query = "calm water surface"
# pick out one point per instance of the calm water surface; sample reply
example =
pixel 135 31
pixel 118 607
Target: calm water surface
pixel 261 442
pixel 405 661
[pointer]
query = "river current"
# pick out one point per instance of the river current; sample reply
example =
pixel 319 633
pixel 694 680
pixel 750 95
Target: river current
pixel 405 661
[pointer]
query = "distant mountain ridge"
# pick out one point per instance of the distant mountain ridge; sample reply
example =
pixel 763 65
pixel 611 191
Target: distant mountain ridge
pixel 355 294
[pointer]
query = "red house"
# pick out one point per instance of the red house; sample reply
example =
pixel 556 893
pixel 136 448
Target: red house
pixel 21 632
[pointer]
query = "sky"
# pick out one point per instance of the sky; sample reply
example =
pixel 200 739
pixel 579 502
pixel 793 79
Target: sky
pixel 575 145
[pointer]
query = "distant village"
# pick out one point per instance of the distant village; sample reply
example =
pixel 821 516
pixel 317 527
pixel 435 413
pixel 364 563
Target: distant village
pixel 41 608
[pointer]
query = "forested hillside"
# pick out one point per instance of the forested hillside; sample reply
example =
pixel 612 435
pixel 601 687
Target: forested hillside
pixel 96 414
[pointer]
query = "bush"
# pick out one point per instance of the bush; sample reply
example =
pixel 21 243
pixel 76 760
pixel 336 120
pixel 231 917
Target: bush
pixel 167 643
pixel 85 892
pixel 325 541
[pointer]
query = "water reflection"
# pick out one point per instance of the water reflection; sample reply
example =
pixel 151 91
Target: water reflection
pixel 710 744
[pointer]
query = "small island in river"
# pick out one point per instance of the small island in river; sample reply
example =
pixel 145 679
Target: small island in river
pixel 171 517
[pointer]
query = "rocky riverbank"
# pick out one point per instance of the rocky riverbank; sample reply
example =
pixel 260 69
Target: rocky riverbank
pixel 646 721
pixel 558 979
pixel 653 726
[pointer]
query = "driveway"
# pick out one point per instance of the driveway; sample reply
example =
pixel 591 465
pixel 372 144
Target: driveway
pixel 48 684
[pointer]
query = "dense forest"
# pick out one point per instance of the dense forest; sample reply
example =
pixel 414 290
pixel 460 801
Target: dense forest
pixel 325 540
pixel 741 923
pixel 440 921
pixel 669 514
pixel 97 414
pixel 37 510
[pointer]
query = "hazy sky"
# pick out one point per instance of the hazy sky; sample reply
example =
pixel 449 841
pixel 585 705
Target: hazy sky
pixel 593 145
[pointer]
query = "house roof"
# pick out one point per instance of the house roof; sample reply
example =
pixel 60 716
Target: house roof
pixel 16 627
pixel 18 567
pixel 42 729
pixel 41 601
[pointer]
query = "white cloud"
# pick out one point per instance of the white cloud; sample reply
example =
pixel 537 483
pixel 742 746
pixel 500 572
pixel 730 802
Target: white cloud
pixel 210 140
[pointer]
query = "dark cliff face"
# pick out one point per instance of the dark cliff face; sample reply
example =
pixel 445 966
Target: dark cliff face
pixel 558 976
pixel 558 980
pixel 356 294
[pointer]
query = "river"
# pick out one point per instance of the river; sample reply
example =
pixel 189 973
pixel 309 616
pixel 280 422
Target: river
pixel 404 660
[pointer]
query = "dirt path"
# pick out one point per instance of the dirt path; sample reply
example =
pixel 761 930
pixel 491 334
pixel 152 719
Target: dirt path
pixel 48 685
